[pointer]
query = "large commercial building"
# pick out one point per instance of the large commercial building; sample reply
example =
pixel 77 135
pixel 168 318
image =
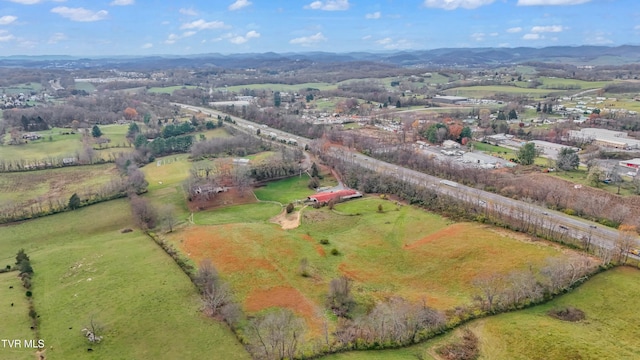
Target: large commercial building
pixel 449 99
pixel 606 138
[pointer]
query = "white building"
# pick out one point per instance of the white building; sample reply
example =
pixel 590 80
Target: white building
pixel 606 138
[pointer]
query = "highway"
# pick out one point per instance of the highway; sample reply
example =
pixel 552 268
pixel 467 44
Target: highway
pixel 541 217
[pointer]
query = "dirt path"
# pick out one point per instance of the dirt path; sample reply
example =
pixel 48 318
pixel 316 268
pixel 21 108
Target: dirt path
pixel 288 221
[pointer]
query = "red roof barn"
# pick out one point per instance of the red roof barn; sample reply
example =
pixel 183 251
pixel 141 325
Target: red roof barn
pixel 325 197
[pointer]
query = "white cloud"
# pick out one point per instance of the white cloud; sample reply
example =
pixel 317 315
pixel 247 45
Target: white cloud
pixel 308 40
pixel 550 28
pixel 394 44
pixel 454 4
pixel 514 30
pixel 188 33
pixel 147 46
pixel 5 36
pixel 122 2
pixel 478 36
pixel 7 19
pixel 329 5
pixel 203 25
pixel 598 38
pixel 57 37
pixel 26 2
pixel 532 37
pixel 239 4
pixel 189 12
pixel 80 14
pixel 504 45
pixel 366 37
pixel 243 39
pixel 550 2
pixel 172 39
pixel 637 27
pixel 493 34
pixel 375 15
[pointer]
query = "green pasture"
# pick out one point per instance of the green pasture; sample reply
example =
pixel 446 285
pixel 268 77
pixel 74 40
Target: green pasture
pixel 84 268
pixel 560 83
pixel 285 191
pixel 245 214
pixel 15 318
pixel 492 90
pixel 170 89
pixel 27 187
pixel 280 87
pixel 493 149
pixel 401 251
pixel 608 332
pixel 84 85
pixel 21 88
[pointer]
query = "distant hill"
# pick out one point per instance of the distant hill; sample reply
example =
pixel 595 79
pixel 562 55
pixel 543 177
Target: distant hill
pixel 462 57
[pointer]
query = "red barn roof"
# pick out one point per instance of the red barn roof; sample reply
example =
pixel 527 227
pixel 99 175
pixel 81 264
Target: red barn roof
pixel 327 196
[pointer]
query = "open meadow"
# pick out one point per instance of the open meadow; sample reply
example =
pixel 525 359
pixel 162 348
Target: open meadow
pixel 85 268
pixel 45 186
pixel 398 251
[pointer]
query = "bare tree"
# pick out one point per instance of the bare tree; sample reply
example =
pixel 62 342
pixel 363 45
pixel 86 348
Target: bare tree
pixel 625 243
pixel 215 293
pixel 490 286
pixel 340 300
pixel 168 217
pixel 144 215
pixel 92 331
pixel 276 335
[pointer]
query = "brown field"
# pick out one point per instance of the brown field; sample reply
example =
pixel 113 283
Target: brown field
pixel 228 198
pixel 401 252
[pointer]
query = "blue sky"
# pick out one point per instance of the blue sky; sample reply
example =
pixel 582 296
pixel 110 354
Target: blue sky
pixel 180 27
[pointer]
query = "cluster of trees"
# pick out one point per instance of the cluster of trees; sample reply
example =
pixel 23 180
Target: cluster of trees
pixel 177 130
pixel 521 288
pixel 238 145
pixel 276 119
pixel 437 133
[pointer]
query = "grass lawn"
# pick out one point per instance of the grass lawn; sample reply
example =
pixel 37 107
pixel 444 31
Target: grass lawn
pixel 285 191
pixel 61 183
pixel 15 319
pixel 84 267
pixel 281 87
pixel 485 91
pixel 494 150
pixel 84 85
pixel 580 177
pixel 559 83
pixel 609 331
pixel 402 251
pixel 170 89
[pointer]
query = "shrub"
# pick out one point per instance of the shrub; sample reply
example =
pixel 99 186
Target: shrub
pixel 335 252
pixel 33 314
pixel 567 314
pixel 324 241
pixel 29 293
pixel 569 212
pixel 380 209
pixel 467 349
pixel 290 208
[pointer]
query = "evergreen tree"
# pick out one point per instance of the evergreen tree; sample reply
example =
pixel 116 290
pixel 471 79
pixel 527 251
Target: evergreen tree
pixel 74 202
pixel 96 132
pixel 513 114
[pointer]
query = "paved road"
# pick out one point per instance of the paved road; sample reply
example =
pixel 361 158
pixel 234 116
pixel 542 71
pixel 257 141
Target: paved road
pixel 569 226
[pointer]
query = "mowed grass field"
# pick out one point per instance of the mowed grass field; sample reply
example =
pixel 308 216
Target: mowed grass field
pixel 487 91
pixel 27 187
pixel 54 144
pixel 14 319
pixel 85 267
pixel 610 330
pixel 402 251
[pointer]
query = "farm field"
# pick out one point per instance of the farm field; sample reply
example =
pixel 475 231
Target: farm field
pixel 170 89
pixel 608 332
pixel 15 318
pixel 85 267
pixel 487 91
pixel 54 144
pixel 559 83
pixel 401 251
pixel 27 187
pixel 280 87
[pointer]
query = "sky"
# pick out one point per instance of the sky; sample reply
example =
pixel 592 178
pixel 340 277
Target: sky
pixel 182 27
